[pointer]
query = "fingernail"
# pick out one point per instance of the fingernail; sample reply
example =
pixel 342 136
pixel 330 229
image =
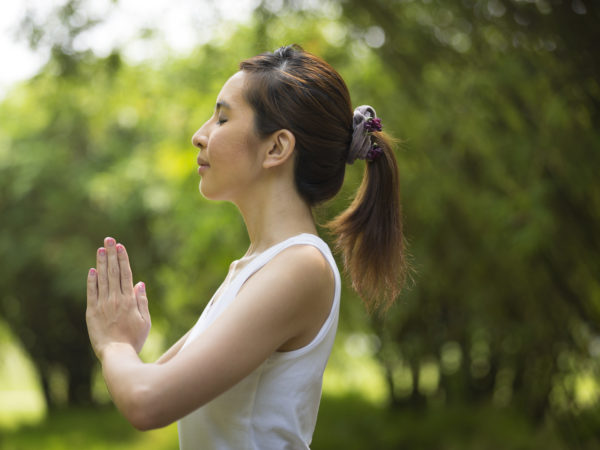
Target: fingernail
pixel 110 242
pixel 102 251
pixel 142 287
pixel 120 248
pixel 92 272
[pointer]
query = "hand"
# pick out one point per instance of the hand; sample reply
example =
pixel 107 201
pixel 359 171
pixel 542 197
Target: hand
pixel 116 310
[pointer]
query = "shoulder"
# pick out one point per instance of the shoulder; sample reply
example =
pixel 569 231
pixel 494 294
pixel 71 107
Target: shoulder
pixel 304 266
pixel 298 285
pixel 296 281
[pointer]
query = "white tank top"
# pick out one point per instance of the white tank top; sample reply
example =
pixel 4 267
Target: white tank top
pixel 275 406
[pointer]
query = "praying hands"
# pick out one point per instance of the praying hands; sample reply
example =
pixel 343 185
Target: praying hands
pixel 117 311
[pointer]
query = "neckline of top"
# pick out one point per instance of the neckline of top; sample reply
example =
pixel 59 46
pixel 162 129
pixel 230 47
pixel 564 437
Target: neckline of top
pixel 252 258
pixel 255 255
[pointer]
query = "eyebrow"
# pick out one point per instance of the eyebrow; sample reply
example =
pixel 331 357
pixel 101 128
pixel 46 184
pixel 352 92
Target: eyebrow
pixel 222 104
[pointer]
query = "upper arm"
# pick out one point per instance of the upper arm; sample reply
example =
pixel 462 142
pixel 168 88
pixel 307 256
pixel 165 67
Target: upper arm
pixel 289 297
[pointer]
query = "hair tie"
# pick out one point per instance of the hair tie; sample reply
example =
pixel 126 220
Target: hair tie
pixel 364 123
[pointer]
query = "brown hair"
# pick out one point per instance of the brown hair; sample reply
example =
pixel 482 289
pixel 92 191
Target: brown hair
pixel 295 90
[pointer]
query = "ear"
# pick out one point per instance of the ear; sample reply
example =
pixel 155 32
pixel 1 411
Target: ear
pixel 283 143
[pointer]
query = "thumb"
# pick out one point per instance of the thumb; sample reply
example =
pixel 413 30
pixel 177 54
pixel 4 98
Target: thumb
pixel 142 300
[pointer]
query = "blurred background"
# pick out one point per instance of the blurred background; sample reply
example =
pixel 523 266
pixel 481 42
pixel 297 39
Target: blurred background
pixel 496 342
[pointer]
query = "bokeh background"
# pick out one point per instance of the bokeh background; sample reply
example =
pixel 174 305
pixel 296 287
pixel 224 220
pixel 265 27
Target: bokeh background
pixel 496 342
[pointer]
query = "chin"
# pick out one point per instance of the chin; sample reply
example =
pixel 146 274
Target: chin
pixel 208 194
pixel 204 192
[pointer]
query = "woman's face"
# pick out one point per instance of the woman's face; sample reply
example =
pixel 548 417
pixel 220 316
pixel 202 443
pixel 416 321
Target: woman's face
pixel 229 158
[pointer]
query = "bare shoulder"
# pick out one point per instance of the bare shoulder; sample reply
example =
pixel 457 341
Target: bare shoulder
pixel 298 283
pixel 304 267
pixel 301 282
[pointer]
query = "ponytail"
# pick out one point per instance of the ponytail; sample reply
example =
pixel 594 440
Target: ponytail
pixel 295 90
pixel 369 233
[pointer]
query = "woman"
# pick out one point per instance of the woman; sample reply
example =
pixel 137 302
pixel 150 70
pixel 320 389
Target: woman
pixel 249 373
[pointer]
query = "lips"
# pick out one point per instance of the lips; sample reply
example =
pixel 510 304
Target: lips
pixel 202 163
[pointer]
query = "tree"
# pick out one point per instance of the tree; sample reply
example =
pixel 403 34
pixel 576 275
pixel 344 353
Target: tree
pixel 499 101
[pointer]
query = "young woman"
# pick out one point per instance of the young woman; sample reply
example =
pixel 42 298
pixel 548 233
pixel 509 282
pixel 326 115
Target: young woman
pixel 249 373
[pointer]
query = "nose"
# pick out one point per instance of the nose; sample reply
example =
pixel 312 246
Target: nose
pixel 199 139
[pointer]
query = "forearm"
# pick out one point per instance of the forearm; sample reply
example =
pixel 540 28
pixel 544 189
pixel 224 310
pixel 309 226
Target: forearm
pixel 132 384
pixel 175 348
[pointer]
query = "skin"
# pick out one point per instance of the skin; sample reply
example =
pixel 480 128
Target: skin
pixel 280 308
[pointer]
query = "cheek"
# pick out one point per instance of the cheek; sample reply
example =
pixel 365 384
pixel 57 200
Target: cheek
pixel 235 149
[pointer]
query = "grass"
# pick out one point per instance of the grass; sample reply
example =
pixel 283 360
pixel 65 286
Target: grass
pixel 90 429
pixel 349 423
pixel 352 423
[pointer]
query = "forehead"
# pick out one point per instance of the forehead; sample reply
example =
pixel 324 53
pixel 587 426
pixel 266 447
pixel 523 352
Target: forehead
pixel 233 90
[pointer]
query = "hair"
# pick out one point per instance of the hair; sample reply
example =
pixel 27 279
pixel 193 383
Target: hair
pixel 295 90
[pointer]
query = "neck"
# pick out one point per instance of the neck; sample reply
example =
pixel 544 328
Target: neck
pixel 275 214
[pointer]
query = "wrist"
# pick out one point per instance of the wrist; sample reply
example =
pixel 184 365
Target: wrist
pixel 115 348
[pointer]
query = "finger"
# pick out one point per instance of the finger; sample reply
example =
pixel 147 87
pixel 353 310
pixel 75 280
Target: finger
pixel 142 301
pixel 101 273
pixel 114 279
pixel 125 269
pixel 92 288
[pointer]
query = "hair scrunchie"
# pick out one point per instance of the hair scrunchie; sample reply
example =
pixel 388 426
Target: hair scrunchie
pixel 365 121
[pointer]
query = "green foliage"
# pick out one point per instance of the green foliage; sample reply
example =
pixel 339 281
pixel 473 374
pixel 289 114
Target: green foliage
pixel 498 108
pixel 95 429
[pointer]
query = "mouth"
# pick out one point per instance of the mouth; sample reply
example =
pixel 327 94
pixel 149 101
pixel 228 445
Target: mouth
pixel 202 164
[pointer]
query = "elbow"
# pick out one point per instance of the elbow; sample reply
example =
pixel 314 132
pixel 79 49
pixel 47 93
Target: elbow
pixel 142 425
pixel 142 422
pixel 143 411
